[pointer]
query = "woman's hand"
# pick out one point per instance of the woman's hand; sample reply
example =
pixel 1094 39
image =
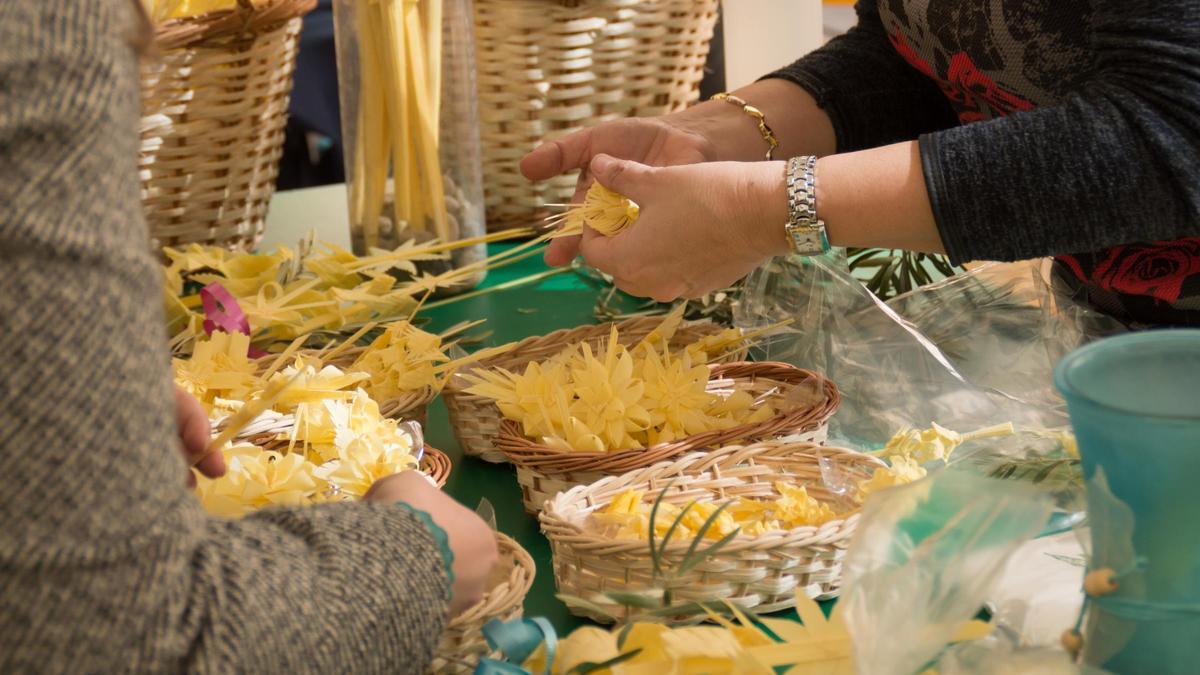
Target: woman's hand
pixel 655 141
pixel 700 228
pixel 195 433
pixel 473 542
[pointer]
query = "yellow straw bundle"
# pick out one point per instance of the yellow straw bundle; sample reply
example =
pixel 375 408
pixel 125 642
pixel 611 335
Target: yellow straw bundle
pixel 603 210
pixel 400 61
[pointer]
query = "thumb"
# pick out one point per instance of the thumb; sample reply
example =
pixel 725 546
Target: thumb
pixel 628 178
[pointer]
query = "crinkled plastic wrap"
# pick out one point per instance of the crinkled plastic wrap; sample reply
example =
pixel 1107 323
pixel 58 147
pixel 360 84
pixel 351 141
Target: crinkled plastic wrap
pixel 924 558
pixel 965 352
pixel 999 655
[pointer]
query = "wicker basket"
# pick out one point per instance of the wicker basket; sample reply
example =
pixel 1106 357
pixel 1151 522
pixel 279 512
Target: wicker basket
pixel 476 420
pixel 759 573
pixel 543 472
pixel 214 106
pixel 434 463
pixel 550 67
pixel 462 642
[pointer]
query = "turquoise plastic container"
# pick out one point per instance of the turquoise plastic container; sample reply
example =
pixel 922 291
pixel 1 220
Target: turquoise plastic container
pixel 1134 402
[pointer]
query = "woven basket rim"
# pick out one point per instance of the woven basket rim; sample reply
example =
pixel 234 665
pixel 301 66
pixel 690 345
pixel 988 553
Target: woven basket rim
pixel 508 593
pixel 566 337
pixel 694 466
pixel 436 464
pixel 245 19
pixel 523 451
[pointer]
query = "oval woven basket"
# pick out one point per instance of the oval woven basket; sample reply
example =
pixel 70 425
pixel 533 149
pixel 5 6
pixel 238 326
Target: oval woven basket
pixel 804 402
pixel 476 420
pixel 434 463
pixel 550 67
pixel 462 642
pixel 758 573
pixel 214 107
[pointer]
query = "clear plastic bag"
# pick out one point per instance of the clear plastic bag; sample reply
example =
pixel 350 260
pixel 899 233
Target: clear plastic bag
pixel 997 655
pixel 970 351
pixel 923 560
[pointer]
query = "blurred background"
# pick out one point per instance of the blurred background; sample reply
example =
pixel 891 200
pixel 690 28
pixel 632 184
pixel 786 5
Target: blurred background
pixel 744 47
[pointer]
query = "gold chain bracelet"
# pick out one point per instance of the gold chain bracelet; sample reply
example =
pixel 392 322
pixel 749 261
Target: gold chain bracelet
pixel 767 134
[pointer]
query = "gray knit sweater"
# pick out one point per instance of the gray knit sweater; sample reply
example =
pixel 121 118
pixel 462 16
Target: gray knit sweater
pixel 107 563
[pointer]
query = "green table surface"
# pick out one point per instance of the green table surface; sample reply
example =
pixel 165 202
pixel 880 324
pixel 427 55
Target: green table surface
pixel 561 301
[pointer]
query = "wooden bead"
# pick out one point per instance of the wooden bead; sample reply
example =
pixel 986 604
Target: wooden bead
pixel 1072 641
pixel 1100 582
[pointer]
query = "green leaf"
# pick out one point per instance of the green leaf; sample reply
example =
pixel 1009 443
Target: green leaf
pixel 674 526
pixel 656 555
pixel 688 609
pixel 623 635
pixel 634 599
pixel 576 601
pixel 688 563
pixel 712 550
pixel 591 667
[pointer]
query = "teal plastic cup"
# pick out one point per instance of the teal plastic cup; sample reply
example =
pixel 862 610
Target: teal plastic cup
pixel 1134 402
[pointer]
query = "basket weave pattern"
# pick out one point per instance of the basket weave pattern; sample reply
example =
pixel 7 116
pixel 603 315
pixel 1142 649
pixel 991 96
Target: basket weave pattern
pixel 550 67
pixel 476 420
pixel 759 573
pixel 214 106
pixel 462 642
pixel 804 401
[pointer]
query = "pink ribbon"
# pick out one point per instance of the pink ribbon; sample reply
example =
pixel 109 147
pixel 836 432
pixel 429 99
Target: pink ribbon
pixel 222 312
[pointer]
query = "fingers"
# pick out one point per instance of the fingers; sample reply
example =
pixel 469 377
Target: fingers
pixel 601 252
pixel 631 179
pixel 195 433
pixel 558 157
pixel 562 251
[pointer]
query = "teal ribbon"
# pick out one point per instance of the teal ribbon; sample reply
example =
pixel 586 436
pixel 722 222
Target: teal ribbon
pixel 517 640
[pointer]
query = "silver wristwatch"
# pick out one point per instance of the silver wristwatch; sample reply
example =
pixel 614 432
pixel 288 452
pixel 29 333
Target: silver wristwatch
pixel 805 231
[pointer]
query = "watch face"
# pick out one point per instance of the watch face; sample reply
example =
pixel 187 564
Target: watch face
pixel 808 240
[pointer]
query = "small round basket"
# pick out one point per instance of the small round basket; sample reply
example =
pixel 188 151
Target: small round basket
pixel 804 400
pixel 757 573
pixel 462 642
pixel 214 106
pixel 434 463
pixel 476 420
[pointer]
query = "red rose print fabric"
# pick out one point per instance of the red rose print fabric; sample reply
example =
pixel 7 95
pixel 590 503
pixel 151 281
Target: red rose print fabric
pixel 993 58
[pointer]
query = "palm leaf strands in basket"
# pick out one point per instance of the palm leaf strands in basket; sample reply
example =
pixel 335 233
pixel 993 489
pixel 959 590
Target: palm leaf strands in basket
pixel 747 525
pixel 581 415
pixel 319 437
pixel 476 420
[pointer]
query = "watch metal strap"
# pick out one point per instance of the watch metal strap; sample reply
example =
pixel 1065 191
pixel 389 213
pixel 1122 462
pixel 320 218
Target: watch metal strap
pixel 805 231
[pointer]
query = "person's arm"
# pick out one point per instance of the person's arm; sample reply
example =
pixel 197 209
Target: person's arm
pixel 854 92
pixel 107 563
pixel 1118 161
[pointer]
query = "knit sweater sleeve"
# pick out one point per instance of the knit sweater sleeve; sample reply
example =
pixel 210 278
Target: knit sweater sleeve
pixel 1115 162
pixel 107 563
pixel 872 96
